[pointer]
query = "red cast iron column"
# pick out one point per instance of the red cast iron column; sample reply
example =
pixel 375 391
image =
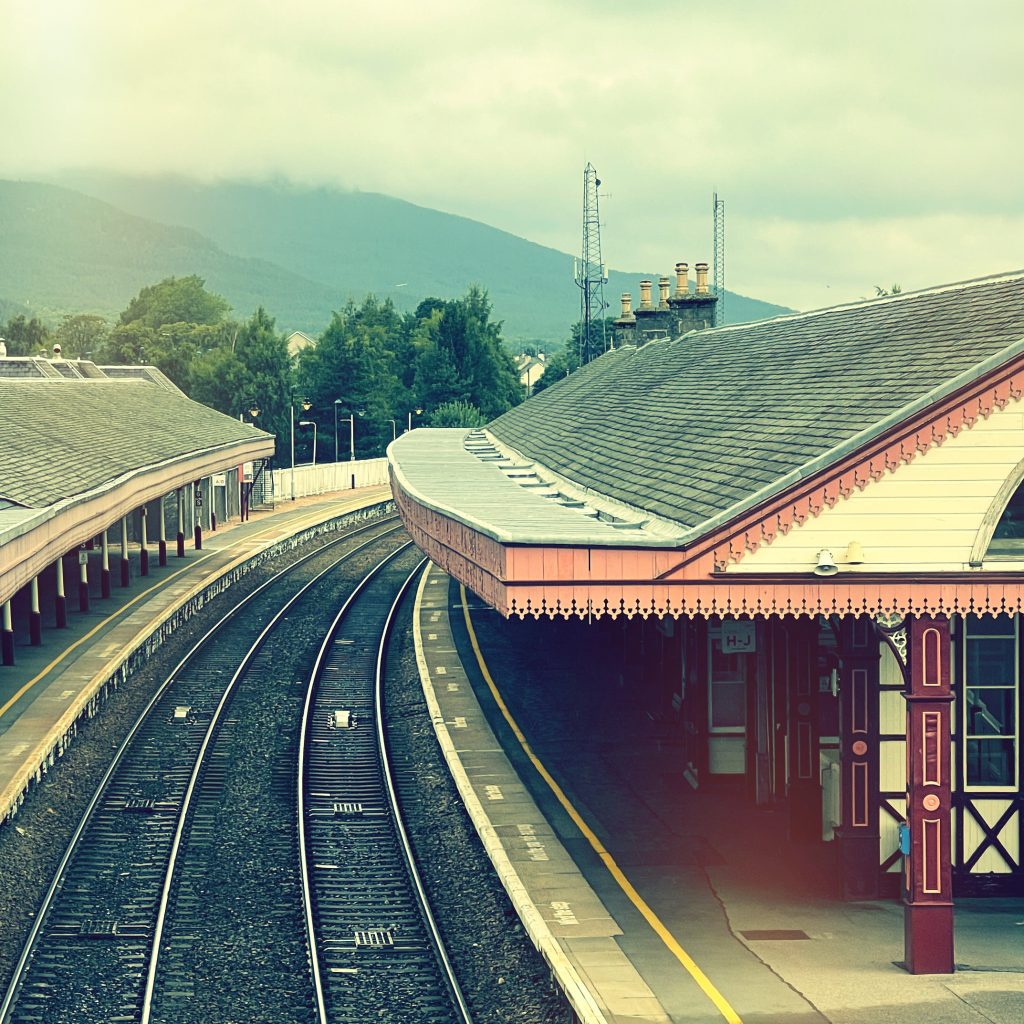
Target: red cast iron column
pixel 858 713
pixel 928 900
pixel 804 771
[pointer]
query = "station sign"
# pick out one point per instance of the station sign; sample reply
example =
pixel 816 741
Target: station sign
pixel 738 637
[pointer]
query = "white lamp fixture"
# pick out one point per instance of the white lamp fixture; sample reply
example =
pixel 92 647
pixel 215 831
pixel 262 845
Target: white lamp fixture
pixel 826 564
pixel 854 553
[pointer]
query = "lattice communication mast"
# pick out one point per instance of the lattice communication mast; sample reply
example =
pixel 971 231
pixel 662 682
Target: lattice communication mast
pixel 590 274
pixel 718 219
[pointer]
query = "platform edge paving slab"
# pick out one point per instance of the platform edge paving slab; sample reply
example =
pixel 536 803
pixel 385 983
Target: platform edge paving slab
pixel 565 919
pixel 41 733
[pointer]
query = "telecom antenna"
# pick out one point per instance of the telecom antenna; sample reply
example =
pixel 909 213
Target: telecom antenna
pixel 590 273
pixel 718 217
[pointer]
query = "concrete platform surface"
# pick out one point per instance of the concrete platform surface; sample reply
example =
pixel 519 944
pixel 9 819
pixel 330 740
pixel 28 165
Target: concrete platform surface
pixel 676 869
pixel 49 686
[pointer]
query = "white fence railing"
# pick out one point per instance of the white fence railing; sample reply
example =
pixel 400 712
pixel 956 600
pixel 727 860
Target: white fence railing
pixel 329 476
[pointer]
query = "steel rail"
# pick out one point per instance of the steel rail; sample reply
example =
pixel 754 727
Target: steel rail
pixel 307 896
pixel 56 885
pixel 410 858
pixel 147 1000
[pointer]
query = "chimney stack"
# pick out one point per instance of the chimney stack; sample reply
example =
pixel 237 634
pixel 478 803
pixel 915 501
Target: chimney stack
pixel 645 295
pixel 682 280
pixel 663 293
pixel 702 279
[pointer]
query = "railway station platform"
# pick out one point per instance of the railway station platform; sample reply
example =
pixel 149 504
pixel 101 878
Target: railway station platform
pixel 652 900
pixel 45 693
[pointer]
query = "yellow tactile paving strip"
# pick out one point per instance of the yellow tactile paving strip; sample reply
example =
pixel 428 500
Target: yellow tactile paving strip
pixel 562 914
pixel 43 727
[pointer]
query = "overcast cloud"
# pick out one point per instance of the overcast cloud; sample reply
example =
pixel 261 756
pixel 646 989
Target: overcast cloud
pixel 854 144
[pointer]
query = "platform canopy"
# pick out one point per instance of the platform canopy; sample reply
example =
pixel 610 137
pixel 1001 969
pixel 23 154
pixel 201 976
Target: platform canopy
pixel 77 454
pixel 649 481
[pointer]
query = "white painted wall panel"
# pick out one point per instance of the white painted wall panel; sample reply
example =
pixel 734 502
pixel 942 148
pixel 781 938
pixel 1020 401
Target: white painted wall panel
pixel 920 517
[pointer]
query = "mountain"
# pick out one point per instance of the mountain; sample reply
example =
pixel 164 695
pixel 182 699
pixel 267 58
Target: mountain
pixel 96 239
pixel 61 251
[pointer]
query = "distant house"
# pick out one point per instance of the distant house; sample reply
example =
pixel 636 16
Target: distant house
pixel 530 368
pixel 297 341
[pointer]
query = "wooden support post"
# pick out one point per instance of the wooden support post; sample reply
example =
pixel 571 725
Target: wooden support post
pixel 804 769
pixel 858 723
pixel 125 563
pixel 162 536
pixel 35 618
pixel 928 897
pixel 104 566
pixel 60 601
pixel 7 636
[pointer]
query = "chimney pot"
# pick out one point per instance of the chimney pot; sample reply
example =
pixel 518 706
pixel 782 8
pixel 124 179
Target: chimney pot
pixel 627 307
pixel 645 295
pixel 702 279
pixel 682 280
pixel 662 293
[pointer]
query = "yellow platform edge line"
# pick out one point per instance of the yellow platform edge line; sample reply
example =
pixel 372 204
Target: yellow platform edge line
pixel 306 520
pixel 661 930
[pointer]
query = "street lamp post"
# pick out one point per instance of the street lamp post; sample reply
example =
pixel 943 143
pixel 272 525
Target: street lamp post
pixel 306 403
pixel 418 412
pixel 310 423
pixel 337 402
pixel 394 429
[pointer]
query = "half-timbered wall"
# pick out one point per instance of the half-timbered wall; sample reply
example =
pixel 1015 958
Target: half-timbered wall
pixel 924 516
pixel 986 755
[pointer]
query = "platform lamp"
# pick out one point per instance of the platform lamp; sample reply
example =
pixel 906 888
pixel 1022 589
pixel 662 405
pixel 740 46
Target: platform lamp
pixel 310 423
pixel 394 429
pixel 418 412
pixel 306 405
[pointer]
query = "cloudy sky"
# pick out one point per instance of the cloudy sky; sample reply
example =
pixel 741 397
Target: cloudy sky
pixel 854 144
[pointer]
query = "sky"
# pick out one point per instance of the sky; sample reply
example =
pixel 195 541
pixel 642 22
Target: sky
pixel 854 144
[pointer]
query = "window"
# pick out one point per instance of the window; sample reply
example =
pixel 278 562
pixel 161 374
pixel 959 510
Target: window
pixel 990 715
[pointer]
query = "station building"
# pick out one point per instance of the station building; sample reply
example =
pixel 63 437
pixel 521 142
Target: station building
pixel 822 515
pixel 102 468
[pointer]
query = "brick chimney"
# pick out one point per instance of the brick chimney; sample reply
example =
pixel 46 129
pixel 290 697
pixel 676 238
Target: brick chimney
pixel 625 326
pixel 696 311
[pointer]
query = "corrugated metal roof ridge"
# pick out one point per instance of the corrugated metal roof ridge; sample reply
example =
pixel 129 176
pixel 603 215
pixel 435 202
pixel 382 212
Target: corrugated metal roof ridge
pixel 652 426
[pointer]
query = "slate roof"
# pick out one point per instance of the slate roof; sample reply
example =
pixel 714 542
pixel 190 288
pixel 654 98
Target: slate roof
pixel 59 438
pixel 699 428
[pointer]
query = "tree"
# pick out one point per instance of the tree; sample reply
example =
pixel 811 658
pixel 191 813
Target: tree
pixel 353 371
pixel 25 337
pixel 248 369
pixel 82 335
pixel 176 300
pixel 461 357
pixel 457 414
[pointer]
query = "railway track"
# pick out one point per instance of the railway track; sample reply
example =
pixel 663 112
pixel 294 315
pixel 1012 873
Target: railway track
pixel 377 952
pixel 89 956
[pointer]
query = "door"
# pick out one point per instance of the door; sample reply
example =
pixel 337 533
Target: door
pixel 727 698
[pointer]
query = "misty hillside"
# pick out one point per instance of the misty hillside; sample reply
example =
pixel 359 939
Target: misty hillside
pixel 300 252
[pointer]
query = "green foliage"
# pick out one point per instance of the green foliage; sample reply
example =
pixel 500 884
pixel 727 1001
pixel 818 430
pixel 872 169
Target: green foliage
pixel 248 369
pixel 457 414
pixel 176 300
pixel 894 290
pixel 82 336
pixel 26 337
pixel 377 365
pixel 567 359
